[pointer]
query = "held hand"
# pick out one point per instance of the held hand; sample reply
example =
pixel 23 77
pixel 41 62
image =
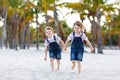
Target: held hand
pixel 65 49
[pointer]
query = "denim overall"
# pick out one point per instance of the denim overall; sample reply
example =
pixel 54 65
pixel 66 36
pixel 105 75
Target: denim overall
pixel 54 49
pixel 77 48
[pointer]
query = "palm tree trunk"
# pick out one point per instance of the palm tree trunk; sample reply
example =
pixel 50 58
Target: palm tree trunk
pixel 16 38
pixel 7 37
pixel 37 37
pixel 28 33
pixel 4 31
pixel 23 38
pixel 110 41
pixel 46 19
pixel 93 34
pixel 99 48
pixel 119 41
pixel 56 20
pixel 10 37
pixel 57 24
pixel 37 31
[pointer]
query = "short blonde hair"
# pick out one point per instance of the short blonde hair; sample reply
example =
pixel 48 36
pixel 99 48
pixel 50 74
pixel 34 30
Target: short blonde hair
pixel 48 28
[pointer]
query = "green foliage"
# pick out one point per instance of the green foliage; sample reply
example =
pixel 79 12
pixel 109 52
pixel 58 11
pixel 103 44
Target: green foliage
pixel 15 3
pixel 66 29
pixel 32 34
pixel 26 9
pixel 115 39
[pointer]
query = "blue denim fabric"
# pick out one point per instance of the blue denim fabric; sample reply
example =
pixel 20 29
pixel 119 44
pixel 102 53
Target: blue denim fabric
pixel 56 54
pixel 77 53
pixel 77 49
pixel 54 46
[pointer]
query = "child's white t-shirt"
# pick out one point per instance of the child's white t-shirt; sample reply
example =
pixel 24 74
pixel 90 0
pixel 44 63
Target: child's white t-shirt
pixel 52 39
pixel 71 36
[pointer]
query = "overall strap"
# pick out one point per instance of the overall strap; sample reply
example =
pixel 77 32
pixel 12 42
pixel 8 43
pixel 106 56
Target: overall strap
pixel 80 35
pixel 54 37
pixel 74 34
pixel 49 41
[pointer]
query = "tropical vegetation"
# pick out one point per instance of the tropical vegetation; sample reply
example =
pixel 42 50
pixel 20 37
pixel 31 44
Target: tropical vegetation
pixel 17 16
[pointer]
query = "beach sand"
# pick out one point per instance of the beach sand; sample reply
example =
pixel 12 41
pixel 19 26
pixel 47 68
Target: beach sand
pixel 30 65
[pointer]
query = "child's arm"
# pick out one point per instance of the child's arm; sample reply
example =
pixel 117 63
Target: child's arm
pixel 90 45
pixel 46 48
pixel 61 43
pixel 65 46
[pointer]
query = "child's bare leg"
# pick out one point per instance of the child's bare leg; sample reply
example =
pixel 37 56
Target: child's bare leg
pixel 52 64
pixel 58 64
pixel 79 66
pixel 73 65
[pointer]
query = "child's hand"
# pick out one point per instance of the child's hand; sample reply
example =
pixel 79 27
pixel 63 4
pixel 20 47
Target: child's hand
pixel 65 49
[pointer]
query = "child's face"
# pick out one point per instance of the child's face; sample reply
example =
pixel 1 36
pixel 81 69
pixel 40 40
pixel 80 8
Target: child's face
pixel 77 29
pixel 49 33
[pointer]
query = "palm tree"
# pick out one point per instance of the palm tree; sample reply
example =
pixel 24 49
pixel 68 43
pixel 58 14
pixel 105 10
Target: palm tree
pixel 100 8
pixel 24 27
pixel 84 9
pixel 58 27
pixel 13 20
pixel 18 23
pixel 44 6
pixel 114 25
pixel 93 9
pixel 50 5
pixel 41 6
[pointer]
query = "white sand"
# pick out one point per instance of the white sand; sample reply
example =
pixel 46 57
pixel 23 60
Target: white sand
pixel 30 65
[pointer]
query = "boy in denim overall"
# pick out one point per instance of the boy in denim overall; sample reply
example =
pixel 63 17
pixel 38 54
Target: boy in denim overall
pixel 52 44
pixel 77 46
